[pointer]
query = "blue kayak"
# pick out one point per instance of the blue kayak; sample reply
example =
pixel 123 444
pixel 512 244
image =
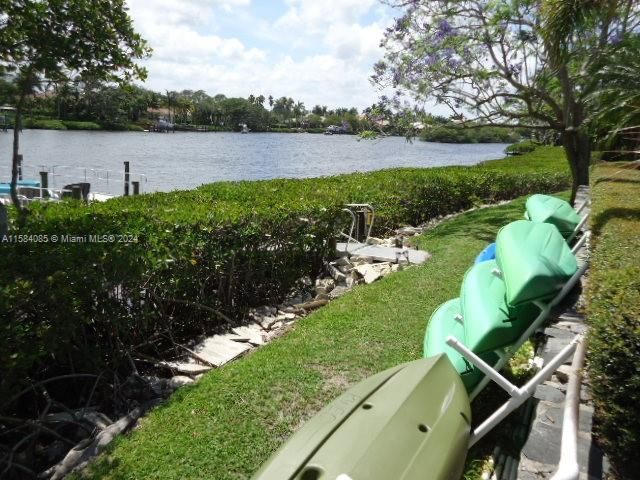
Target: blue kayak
pixel 489 253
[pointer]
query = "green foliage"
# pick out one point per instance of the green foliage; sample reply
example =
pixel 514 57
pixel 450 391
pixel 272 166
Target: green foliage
pixel 613 312
pixel 38 123
pixel 520 148
pixel 76 125
pixel 225 246
pixel 228 424
pixel 469 135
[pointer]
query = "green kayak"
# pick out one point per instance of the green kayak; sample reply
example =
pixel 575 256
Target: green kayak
pixel 489 323
pixel 409 422
pixel 446 322
pixel 553 210
pixel 534 259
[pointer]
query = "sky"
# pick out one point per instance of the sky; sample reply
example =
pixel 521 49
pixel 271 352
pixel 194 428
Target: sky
pixel 316 51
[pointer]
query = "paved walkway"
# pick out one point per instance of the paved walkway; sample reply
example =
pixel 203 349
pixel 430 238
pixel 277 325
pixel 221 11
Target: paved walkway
pixel 539 429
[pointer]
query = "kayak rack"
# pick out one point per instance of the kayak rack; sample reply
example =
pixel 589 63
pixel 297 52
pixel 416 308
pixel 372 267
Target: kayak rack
pixel 518 394
pixel 537 323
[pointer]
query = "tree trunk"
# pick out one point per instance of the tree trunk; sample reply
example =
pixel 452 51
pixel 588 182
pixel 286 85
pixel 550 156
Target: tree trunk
pixel 578 150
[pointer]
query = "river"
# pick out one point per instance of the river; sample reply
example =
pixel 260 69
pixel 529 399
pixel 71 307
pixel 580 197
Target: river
pixel 188 159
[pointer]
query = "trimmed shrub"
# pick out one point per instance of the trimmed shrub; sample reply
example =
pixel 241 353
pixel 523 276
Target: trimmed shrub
pixel 521 148
pixel 613 310
pixel 201 256
pixel 43 124
pixel 77 125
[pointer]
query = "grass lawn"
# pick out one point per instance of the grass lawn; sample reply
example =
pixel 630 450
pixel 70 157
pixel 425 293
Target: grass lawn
pixel 228 423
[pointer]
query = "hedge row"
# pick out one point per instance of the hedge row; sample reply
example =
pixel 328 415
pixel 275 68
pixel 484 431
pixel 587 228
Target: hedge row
pixel 220 248
pixel 613 311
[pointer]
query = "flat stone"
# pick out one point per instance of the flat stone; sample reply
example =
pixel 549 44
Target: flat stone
pixel 361 259
pixel 337 275
pixel 549 394
pixel 559 333
pixel 253 333
pixel 375 241
pixel 186 368
pixel 342 262
pixel 543 444
pixel 553 347
pixel 327 283
pixel 563 373
pixel 373 272
pixel 338 291
pixel 179 381
pixel 267 322
pixel 218 350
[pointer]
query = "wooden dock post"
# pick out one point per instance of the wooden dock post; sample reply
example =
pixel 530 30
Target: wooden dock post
pixel 126 179
pixel 136 188
pixel 44 179
pixel 76 192
pixel 4 221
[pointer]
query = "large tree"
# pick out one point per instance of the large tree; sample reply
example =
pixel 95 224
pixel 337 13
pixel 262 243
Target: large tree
pixel 514 63
pixel 52 40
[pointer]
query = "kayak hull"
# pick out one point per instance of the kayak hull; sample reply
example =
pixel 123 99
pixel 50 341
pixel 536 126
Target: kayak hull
pixel 489 323
pixel 535 261
pixel 409 422
pixel 553 210
pixel 446 321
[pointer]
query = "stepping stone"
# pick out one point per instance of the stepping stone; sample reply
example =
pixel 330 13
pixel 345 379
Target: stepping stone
pixel 252 333
pixel 218 350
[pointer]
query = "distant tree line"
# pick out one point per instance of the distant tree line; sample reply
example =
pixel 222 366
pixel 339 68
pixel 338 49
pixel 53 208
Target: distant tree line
pixel 114 106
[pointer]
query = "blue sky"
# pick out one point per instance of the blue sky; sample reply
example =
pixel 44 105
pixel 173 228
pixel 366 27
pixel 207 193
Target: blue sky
pixel 316 51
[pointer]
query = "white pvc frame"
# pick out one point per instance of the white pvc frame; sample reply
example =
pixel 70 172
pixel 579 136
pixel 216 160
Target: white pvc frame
pixel 518 395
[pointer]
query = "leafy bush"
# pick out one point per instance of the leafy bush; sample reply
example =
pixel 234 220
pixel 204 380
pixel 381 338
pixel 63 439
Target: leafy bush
pixel 450 134
pixel 77 125
pixel 521 148
pixel 613 312
pixel 44 124
pixel 220 248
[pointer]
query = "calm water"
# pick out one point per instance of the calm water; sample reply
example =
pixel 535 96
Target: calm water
pixel 186 160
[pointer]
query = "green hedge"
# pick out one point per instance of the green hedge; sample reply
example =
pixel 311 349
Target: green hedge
pixel 613 311
pixel 453 134
pixel 225 246
pixel 77 125
pixel 44 124
pixel 521 148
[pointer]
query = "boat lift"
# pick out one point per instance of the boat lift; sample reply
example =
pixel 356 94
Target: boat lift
pixel 357 239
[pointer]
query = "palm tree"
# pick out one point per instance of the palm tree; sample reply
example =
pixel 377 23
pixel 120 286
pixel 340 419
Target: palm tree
pixel 271 102
pixel 252 99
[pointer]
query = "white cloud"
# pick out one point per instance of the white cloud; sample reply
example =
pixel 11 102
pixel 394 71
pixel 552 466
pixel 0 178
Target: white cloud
pixel 319 52
pixel 314 16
